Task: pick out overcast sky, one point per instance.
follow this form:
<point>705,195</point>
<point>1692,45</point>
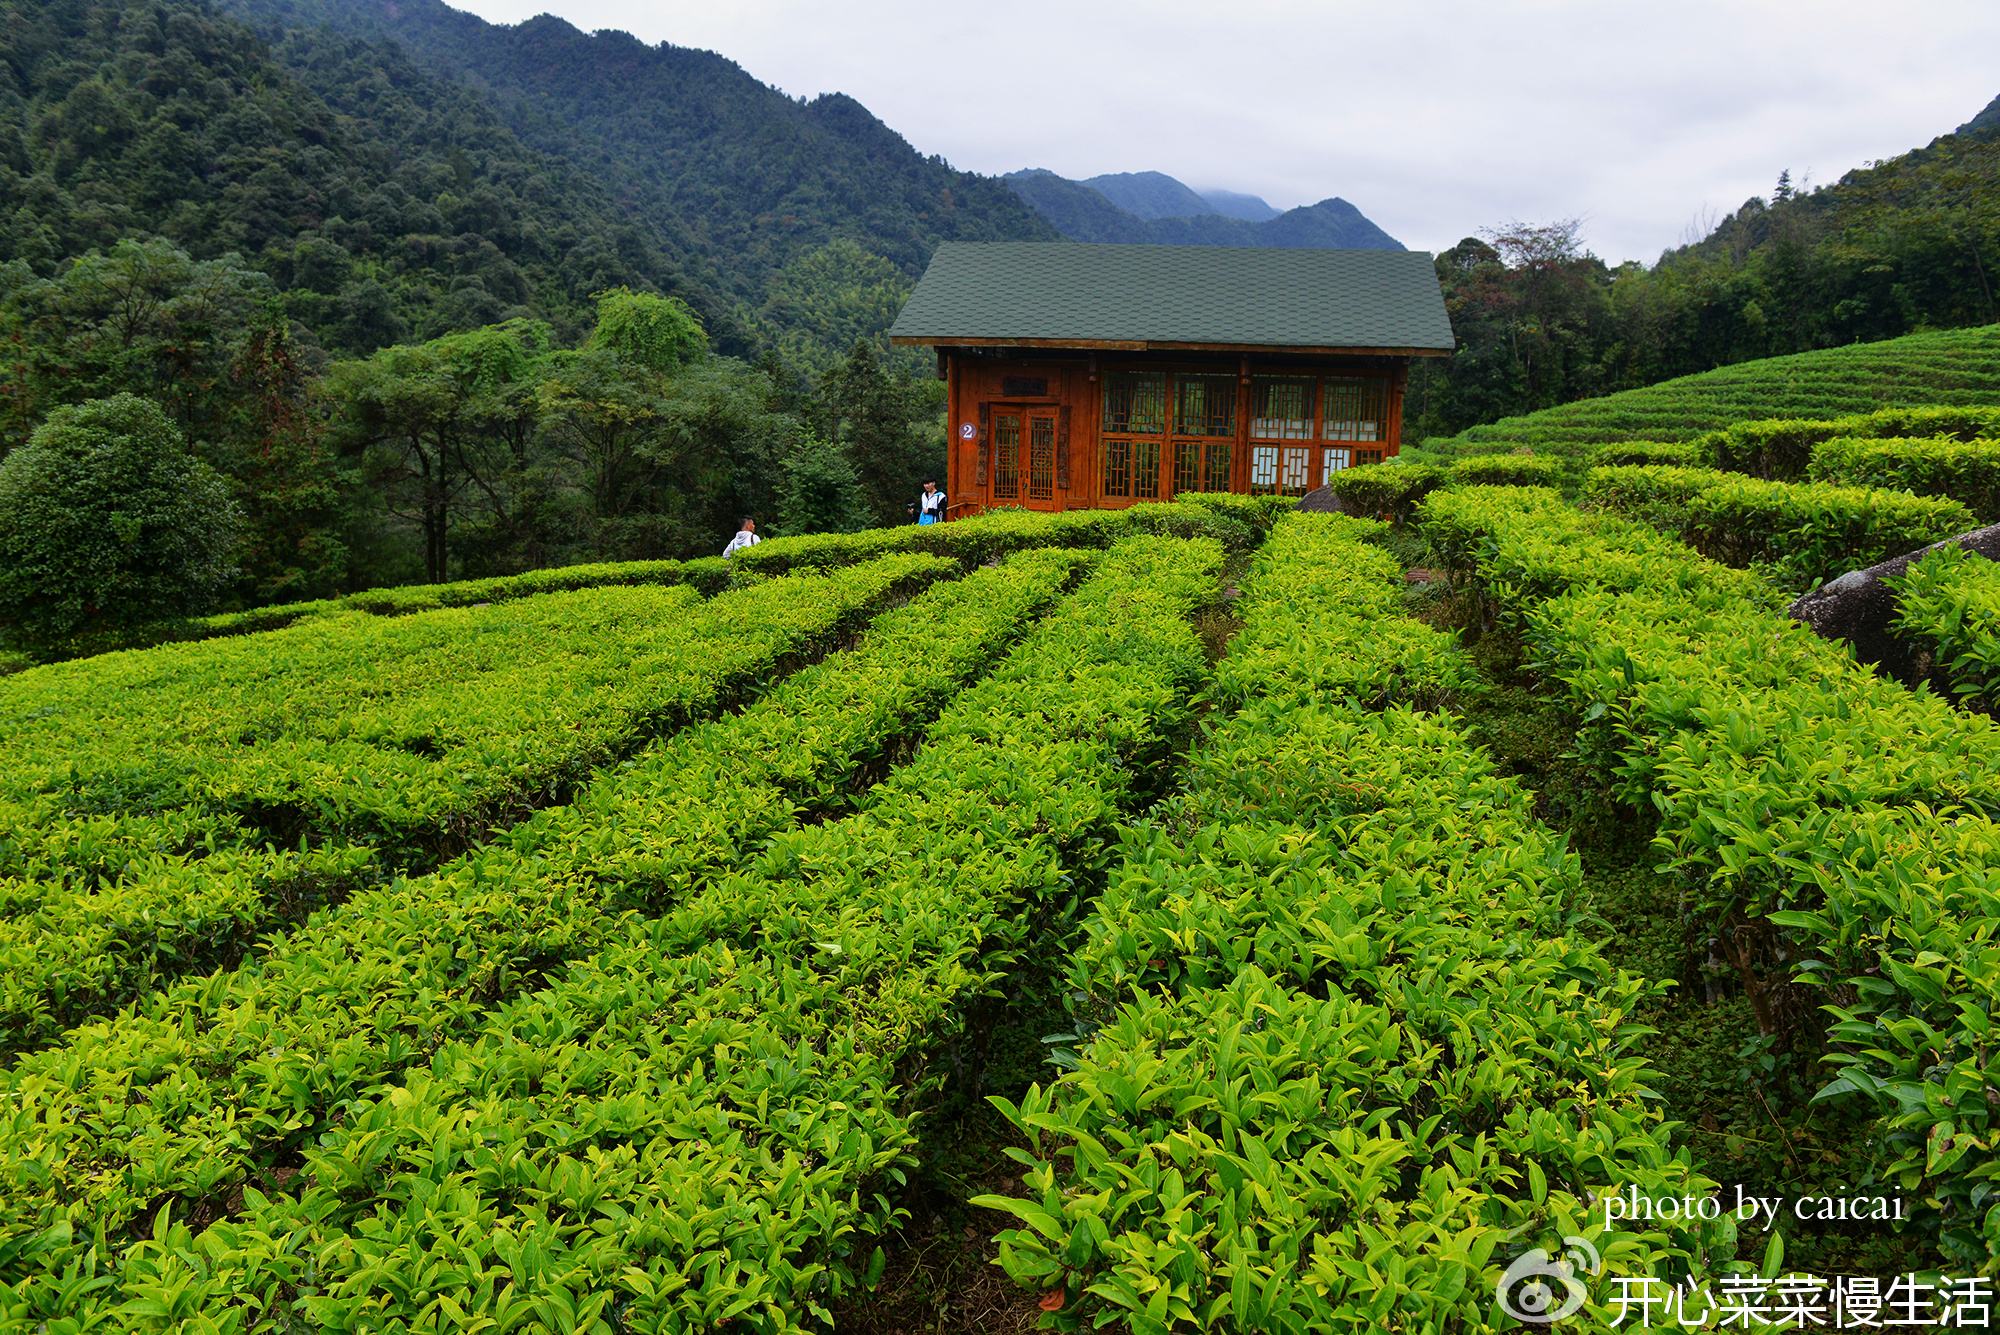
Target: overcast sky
<point>1434,119</point>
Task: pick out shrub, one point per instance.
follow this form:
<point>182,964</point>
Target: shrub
<point>1657,494</point>
<point>1391,489</point>
<point>107,523</point>
<point>1966,471</point>
<point>1680,453</point>
<point>1949,602</point>
<point>1508,470</point>
<point>1809,532</point>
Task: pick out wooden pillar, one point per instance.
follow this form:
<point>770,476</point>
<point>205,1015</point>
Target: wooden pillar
<point>1397,379</point>
<point>954,448</point>
<point>1239,453</point>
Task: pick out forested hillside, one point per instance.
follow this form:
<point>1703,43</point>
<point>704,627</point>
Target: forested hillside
<point>403,209</point>
<point>755,183</point>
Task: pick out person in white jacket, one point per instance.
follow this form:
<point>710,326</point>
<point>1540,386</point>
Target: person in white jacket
<point>746,536</point>
<point>930,505</point>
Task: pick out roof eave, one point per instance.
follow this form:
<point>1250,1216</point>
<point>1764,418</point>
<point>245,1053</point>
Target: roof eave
<point>1160,345</point>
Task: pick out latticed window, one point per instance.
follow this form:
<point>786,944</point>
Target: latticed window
<point>1368,456</point>
<point>1145,470</point>
<point>1135,404</point>
<point>1204,405</point>
<point>1118,468</point>
<point>1006,456</point>
<point>1332,459</point>
<point>1294,471</point>
<point>1263,468</point>
<point>1215,467</point>
<point>1281,408</point>
<point>1354,408</point>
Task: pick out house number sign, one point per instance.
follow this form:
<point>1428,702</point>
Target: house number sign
<point>968,431</point>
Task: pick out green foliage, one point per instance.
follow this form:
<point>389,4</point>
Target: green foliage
<point>1967,471</point>
<point>1949,603</point>
<point>1679,453</point>
<point>1803,533</point>
<point>1508,470</point>
<point>1957,368</point>
<point>1333,1021</point>
<point>107,523</point>
<point>838,957</point>
<point>824,303</point>
<point>818,491</point>
<point>890,427</point>
<point>397,738</point>
<point>1390,489</point>
<point>1657,494</point>
<point>1810,532</point>
<point>1899,246</point>
<point>385,201</point>
<point>647,332</point>
<point>1796,791</point>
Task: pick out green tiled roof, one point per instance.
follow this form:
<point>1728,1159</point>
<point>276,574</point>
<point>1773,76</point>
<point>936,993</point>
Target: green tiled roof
<point>1062,291</point>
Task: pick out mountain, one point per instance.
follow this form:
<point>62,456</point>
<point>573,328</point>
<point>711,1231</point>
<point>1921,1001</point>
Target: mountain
<point>749,179</point>
<point>1089,211</point>
<point>1250,208</point>
<point>1150,195</point>
<point>385,202</point>
<point>1986,125</point>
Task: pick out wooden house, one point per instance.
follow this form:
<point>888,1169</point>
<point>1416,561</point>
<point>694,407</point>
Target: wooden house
<point>1083,376</point>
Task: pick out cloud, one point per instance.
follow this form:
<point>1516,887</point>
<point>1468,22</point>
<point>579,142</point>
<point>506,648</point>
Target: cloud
<point>1434,118</point>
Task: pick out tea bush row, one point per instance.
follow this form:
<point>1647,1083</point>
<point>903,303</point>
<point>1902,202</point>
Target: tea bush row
<point>1949,603</point>
<point>707,1121</point>
<point>1803,533</point>
<point>1797,790</point>
<point>1966,471</point>
<point>1347,1058</point>
<point>75,946</point>
<point>265,1059</point>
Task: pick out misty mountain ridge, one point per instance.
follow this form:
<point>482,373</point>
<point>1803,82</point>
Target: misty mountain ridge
<point>1154,208</point>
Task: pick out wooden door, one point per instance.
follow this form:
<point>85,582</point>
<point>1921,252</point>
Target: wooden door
<point>1024,458</point>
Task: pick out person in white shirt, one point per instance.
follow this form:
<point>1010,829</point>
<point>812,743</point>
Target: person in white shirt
<point>930,503</point>
<point>746,536</point>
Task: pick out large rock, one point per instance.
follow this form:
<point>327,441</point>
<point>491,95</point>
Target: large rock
<point>1321,501</point>
<point>1859,606</point>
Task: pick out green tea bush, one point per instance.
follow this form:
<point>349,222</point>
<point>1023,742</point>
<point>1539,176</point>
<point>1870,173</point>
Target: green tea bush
<point>1657,494</point>
<point>1965,471</point>
<point>1342,1058</point>
<point>1956,370</point>
<point>1387,489</point>
<point>1509,470</point>
<point>1793,787</point>
<point>271,1053</point>
<point>1677,453</point>
<point>1948,603</point>
<point>77,944</point>
<point>733,1083</point>
<point>1811,532</point>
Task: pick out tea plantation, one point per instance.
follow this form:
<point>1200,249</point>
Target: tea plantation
<point>1207,915</point>
<point>1959,366</point>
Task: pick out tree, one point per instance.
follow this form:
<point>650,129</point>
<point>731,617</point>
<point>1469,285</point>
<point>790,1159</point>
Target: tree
<point>109,523</point>
<point>647,332</point>
<point>888,424</point>
<point>818,491</point>
<point>434,423</point>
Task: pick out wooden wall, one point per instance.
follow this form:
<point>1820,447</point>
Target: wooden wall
<point>983,382</point>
